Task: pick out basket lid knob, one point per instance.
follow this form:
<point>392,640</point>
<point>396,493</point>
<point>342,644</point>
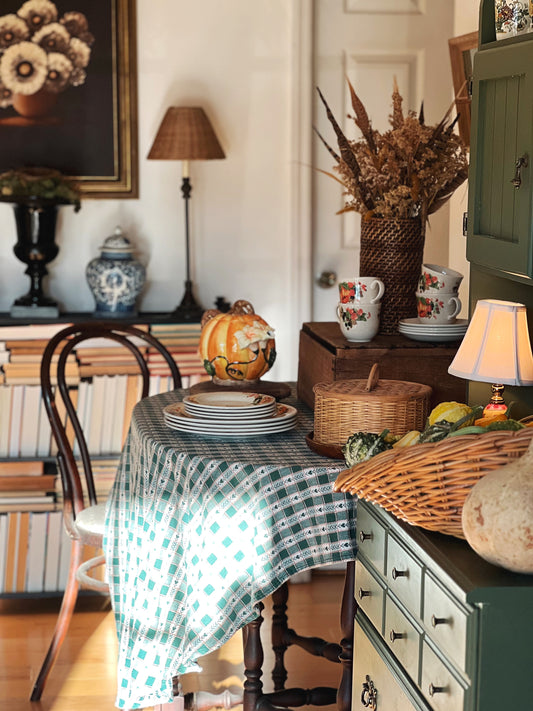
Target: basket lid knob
<point>373,378</point>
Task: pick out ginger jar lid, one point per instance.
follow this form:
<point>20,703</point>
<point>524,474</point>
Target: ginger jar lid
<point>117,246</point>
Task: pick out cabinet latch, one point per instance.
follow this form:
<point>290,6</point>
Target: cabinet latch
<point>520,163</point>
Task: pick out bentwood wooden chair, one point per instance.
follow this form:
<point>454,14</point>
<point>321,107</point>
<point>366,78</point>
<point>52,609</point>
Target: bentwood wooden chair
<point>83,517</point>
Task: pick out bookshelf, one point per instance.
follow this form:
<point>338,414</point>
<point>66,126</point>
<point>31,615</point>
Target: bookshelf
<point>34,549</point>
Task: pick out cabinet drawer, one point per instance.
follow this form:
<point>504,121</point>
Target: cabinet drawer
<point>445,621</point>
<point>370,595</point>
<point>371,538</point>
<point>372,676</point>
<point>439,686</point>
<point>404,576</point>
<point>402,638</point>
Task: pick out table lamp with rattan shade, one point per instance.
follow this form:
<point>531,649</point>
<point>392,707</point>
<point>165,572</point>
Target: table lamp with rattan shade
<point>186,134</point>
<point>496,349</point>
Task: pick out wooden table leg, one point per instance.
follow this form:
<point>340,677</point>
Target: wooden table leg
<point>279,635</point>
<point>348,609</point>
<point>253,661</point>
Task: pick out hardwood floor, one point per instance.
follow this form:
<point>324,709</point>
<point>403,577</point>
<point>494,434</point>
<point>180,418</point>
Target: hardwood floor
<point>83,679</point>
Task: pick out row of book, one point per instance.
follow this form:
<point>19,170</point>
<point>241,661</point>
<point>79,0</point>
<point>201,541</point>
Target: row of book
<point>104,382</point>
<point>104,405</point>
<point>34,547</point>
<point>20,357</point>
<point>104,386</point>
<point>35,552</point>
<point>28,486</point>
<point>33,485</point>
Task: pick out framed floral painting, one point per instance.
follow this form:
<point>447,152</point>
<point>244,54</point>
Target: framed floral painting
<point>68,97</point>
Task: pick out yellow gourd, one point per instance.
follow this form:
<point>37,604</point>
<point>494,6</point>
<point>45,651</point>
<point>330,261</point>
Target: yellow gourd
<point>408,439</point>
<point>450,411</point>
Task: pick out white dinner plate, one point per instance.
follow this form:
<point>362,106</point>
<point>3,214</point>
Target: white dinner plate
<point>179,411</point>
<point>176,417</point>
<point>233,399</point>
<point>239,432</point>
<point>434,337</point>
<point>414,323</point>
<point>232,413</point>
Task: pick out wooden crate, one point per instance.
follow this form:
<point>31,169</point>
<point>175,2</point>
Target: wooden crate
<point>325,356</point>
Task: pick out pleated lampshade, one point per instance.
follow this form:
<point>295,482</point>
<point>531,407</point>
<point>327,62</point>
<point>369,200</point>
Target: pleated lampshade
<point>496,346</point>
<point>185,133</point>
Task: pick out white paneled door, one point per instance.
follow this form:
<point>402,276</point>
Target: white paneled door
<point>371,42</point>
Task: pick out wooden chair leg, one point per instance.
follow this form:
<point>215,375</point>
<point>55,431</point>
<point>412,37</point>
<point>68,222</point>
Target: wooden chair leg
<point>63,621</point>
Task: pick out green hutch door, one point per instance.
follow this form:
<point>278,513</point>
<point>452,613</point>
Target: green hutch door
<point>502,110</point>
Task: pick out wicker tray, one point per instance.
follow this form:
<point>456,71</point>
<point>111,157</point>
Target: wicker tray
<point>427,484</point>
<point>372,405</point>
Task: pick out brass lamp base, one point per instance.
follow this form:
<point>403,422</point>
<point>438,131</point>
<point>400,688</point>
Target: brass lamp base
<point>496,403</point>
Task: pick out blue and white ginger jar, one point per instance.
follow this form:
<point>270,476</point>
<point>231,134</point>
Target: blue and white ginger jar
<point>116,278</point>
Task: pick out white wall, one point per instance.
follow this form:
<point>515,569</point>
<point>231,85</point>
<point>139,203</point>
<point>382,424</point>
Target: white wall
<point>234,59</point>
<point>466,20</point>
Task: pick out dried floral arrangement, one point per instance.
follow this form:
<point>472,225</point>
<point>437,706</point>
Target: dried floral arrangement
<point>408,171</point>
<point>41,51</point>
<point>30,185</point>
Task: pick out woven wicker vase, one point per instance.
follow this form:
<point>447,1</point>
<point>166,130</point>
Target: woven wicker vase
<point>392,250</point>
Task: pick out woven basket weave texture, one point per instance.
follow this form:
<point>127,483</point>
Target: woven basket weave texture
<point>346,406</point>
<point>392,250</point>
<point>427,484</point>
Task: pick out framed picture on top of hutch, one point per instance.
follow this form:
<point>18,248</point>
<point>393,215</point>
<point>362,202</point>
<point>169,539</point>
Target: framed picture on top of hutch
<point>68,93</point>
<point>462,50</point>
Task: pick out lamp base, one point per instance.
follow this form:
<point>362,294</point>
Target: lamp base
<point>189,309</point>
<point>496,404</point>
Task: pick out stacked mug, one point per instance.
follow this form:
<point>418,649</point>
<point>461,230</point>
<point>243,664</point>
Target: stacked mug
<point>437,297</point>
<point>359,307</point>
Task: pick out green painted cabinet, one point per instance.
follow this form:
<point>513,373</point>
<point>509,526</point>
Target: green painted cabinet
<point>500,227</point>
<point>438,628</point>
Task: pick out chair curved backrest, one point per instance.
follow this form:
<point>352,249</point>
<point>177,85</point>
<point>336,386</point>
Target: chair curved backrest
<point>54,361</point>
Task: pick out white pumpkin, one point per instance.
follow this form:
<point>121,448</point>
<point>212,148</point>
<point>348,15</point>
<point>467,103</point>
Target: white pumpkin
<point>498,515</point>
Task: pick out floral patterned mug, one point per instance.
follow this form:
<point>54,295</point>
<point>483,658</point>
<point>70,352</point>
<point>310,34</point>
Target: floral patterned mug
<point>358,322</point>
<point>435,278</point>
<point>438,308</point>
<point>367,289</point>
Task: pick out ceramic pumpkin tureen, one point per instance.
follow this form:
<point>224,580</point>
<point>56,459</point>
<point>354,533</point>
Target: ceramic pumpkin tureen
<point>236,346</point>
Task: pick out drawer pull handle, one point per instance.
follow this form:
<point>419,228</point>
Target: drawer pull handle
<point>365,536</point>
<point>396,635</point>
<point>369,694</point>
<point>363,593</point>
<point>399,573</point>
<point>439,621</point>
<point>437,689</point>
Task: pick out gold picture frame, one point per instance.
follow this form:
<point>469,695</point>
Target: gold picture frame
<point>89,132</point>
<point>462,50</point>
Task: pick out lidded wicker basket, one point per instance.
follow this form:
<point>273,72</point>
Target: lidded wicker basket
<point>348,406</point>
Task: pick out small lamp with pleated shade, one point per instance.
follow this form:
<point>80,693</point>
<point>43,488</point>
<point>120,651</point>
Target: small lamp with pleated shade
<point>186,134</point>
<point>496,349</point>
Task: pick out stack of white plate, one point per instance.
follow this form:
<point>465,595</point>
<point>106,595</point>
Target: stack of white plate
<point>433,332</point>
<point>229,414</point>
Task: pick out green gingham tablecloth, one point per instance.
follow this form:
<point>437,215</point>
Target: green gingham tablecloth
<point>200,529</point>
